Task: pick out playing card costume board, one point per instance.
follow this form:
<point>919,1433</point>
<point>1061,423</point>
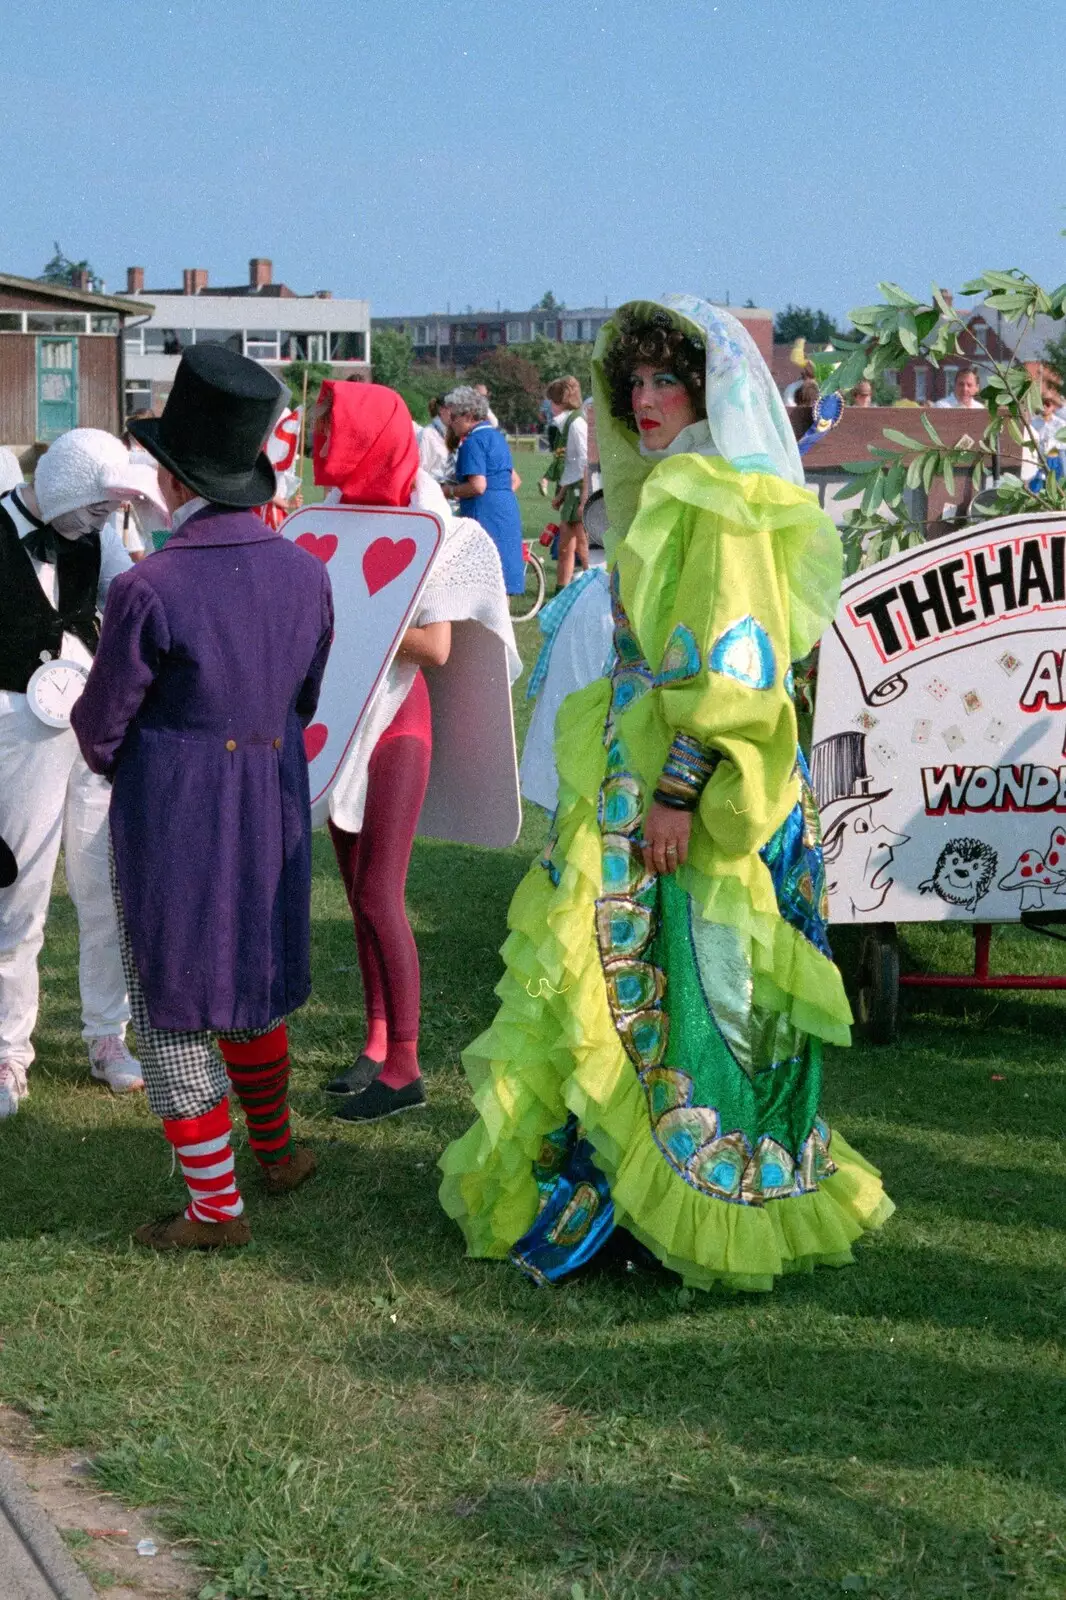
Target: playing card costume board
<point>939,754</point>
<point>380,561</point>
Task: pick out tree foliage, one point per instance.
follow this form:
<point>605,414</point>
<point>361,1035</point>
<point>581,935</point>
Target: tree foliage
<point>803,322</point>
<point>61,270</point>
<point>293,374</point>
<point>896,330</point>
<point>548,302</point>
<point>1055,358</point>
<point>390,357</point>
<point>555,360</point>
<point>514,386</point>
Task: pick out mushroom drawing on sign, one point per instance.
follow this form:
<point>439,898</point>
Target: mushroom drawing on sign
<point>1055,856</point>
<point>857,849</point>
<point>963,873</point>
<point>1032,875</point>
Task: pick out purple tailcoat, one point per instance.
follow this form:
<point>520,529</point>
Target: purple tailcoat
<point>208,669</point>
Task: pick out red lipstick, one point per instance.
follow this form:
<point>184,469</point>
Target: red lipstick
<point>646,424</point>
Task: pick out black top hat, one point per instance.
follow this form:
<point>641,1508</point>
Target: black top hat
<point>214,424</point>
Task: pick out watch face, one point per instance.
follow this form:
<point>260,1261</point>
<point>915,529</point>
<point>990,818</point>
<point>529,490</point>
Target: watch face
<point>53,690</point>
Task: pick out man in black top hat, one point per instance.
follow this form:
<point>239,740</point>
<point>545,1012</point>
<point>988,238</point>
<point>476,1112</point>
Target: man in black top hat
<point>208,669</point>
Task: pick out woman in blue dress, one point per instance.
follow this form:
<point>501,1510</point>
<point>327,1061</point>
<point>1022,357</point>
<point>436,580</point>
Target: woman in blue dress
<point>485,477</point>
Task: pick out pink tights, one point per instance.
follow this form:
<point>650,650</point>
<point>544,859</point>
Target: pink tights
<point>373,865</point>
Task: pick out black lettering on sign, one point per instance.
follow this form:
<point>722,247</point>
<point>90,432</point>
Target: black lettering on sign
<point>917,606</point>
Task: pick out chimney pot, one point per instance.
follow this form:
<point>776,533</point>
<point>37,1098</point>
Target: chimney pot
<point>134,280</point>
<point>260,272</point>
<point>81,279</point>
<point>194,280</point>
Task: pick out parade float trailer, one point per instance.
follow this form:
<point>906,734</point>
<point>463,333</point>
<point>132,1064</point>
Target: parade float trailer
<point>939,750</point>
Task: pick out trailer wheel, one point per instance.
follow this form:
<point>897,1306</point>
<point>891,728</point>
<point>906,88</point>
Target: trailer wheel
<point>877,1007</point>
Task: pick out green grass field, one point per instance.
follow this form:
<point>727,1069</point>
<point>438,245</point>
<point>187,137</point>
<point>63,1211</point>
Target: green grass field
<point>350,1408</point>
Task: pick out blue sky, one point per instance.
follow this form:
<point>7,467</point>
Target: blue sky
<point>421,155</point>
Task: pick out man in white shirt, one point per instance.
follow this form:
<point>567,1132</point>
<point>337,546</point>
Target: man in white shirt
<point>967,383</point>
<point>55,570</point>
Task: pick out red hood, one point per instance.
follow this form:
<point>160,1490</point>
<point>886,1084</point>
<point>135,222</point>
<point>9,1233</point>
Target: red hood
<point>371,456</point>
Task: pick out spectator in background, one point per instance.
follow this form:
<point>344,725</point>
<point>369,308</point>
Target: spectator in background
<point>490,416</point>
<point>1046,430</point>
<point>569,461</point>
<point>863,394</point>
<point>801,407</point>
<point>484,476</point>
<point>967,383</point>
<point>435,456</point>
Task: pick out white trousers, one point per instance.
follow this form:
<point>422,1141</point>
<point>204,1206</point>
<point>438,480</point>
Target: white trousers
<point>49,797</point>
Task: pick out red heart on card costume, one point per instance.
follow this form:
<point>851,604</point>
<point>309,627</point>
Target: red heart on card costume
<point>321,545</point>
<point>385,559</point>
<point>314,738</point>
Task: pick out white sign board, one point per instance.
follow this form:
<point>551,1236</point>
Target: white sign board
<point>378,561</point>
<point>472,796</point>
<point>939,757</point>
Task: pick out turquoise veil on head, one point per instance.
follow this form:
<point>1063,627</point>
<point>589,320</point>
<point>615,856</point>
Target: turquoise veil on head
<point>746,416</point>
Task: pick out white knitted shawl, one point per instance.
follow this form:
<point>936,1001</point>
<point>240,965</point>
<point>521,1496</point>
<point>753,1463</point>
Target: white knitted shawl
<point>465,586</point>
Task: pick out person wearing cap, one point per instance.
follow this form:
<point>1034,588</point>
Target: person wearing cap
<point>209,668</point>
<point>55,571</point>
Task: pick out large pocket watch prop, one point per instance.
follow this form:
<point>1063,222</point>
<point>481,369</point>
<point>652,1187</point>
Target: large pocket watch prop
<point>378,561</point>
<point>54,689</point>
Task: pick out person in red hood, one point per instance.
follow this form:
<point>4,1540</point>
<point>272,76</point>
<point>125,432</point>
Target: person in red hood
<point>365,451</point>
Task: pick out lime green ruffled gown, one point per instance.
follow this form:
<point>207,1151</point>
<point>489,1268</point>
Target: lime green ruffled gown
<point>656,1058</point>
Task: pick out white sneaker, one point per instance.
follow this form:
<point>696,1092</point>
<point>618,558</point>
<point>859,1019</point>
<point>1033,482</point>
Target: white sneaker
<point>12,1087</point>
<point>111,1063</point>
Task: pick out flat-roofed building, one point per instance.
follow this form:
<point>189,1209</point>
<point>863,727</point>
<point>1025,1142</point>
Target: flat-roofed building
<point>453,340</point>
<point>264,320</point>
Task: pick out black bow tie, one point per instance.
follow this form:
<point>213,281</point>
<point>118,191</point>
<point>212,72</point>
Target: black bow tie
<point>42,544</point>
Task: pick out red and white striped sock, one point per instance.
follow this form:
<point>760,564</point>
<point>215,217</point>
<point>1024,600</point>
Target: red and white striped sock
<point>206,1159</point>
<point>259,1071</point>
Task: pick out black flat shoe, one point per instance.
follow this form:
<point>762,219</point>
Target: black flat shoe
<point>354,1078</point>
<point>380,1101</point>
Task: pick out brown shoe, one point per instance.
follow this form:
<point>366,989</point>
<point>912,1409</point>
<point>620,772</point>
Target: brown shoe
<point>281,1177</point>
<point>179,1233</point>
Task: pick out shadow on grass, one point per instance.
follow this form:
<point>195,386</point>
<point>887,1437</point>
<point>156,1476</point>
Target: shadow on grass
<point>740,1537</point>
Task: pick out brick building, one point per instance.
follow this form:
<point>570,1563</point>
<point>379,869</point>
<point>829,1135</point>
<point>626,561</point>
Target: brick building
<point>985,336</point>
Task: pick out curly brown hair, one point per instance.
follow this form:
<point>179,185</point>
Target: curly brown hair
<point>654,339</point>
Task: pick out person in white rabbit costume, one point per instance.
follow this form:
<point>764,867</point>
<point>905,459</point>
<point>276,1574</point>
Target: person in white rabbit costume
<point>56,564</point>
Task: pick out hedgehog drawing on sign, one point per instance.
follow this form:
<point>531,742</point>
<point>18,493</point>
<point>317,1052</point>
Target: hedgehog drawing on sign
<point>963,873</point>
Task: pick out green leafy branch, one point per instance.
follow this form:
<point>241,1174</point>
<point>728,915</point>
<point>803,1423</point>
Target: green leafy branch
<point>899,329</point>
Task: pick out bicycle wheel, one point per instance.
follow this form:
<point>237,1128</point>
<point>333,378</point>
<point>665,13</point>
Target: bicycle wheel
<point>526,605</point>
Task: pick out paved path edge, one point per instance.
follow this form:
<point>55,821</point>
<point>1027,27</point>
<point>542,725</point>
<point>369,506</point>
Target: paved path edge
<point>22,1519</point>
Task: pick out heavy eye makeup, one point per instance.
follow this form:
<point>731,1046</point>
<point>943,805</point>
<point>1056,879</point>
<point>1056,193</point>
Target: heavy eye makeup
<point>661,380</point>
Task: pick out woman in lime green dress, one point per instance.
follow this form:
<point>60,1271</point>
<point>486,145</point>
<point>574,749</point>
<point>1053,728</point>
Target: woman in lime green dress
<point>656,1059</point>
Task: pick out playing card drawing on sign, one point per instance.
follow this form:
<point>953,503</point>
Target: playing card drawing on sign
<point>954,806</point>
<point>378,561</point>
